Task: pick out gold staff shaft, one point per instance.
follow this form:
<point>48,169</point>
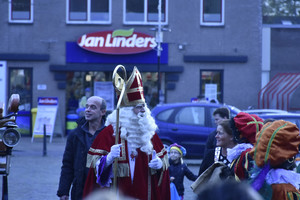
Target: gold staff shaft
<point>120,85</point>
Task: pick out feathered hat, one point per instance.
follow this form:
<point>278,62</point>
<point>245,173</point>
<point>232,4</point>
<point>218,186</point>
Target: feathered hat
<point>245,126</point>
<point>277,142</point>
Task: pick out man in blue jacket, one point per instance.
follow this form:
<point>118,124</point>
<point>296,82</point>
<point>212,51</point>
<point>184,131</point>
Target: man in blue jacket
<point>73,170</point>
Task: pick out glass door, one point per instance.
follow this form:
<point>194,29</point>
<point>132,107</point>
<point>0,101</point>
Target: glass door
<point>20,82</point>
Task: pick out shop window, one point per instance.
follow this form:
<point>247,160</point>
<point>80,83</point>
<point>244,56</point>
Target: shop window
<point>211,85</point>
<point>212,12</point>
<point>20,11</point>
<point>145,12</point>
<point>20,82</point>
<point>82,84</point>
<point>89,11</point>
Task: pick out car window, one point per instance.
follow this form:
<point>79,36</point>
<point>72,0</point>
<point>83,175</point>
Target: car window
<point>191,116</point>
<point>211,111</point>
<point>165,115</point>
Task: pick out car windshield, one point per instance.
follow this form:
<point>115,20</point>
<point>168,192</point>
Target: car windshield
<point>164,115</point>
<point>234,111</point>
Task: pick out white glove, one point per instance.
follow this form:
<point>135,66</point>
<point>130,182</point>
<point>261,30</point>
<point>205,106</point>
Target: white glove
<point>115,151</point>
<point>156,162</point>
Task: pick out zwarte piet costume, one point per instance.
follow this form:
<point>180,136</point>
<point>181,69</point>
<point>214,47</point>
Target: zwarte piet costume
<point>273,177</point>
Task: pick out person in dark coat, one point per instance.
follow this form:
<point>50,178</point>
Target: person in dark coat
<point>178,170</point>
<point>73,170</point>
<point>209,153</point>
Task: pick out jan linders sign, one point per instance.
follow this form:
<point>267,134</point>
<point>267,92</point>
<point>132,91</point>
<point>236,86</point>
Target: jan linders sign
<point>117,42</point>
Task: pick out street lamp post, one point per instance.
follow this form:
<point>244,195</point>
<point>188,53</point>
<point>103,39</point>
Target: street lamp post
<point>159,40</point>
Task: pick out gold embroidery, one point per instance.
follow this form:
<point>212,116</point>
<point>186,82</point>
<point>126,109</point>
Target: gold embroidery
<point>165,161</point>
<point>161,153</point>
<point>123,170</point>
<point>98,151</point>
<point>123,151</point>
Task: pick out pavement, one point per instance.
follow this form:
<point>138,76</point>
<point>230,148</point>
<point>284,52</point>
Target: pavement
<point>35,176</point>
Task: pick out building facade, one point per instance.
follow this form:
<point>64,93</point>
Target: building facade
<point>210,49</point>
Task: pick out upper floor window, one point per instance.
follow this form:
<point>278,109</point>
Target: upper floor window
<point>88,11</point>
<point>20,11</point>
<point>144,12</point>
<point>212,12</point>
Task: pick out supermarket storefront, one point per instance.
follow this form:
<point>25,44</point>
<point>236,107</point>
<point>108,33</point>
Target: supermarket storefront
<point>94,56</point>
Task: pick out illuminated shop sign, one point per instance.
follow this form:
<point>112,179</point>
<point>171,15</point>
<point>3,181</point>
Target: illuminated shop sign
<point>117,42</point>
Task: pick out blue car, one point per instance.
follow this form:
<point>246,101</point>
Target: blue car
<point>291,117</point>
<point>187,124</point>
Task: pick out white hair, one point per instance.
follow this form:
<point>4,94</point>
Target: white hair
<point>136,129</point>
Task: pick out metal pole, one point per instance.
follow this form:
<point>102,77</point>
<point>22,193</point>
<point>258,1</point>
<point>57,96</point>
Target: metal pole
<point>45,142</point>
<point>158,52</point>
<point>5,188</point>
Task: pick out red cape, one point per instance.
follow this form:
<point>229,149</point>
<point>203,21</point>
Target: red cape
<point>156,188</point>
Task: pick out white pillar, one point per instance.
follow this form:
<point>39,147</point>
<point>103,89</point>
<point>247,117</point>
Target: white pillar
<point>266,56</point>
<point>3,85</point>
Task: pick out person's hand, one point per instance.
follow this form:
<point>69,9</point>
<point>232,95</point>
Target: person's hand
<point>65,197</point>
<point>172,178</point>
<point>156,162</point>
<point>115,151</point>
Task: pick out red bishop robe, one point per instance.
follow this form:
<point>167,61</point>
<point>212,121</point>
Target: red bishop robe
<point>148,184</point>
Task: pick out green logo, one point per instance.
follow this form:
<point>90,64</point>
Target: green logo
<point>122,32</point>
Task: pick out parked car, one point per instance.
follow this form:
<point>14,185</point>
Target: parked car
<point>264,111</point>
<point>291,117</point>
<point>187,124</point>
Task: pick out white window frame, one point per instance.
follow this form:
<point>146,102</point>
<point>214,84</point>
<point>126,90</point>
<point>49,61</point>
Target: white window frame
<point>88,21</point>
<point>145,22</point>
<point>11,20</point>
<point>216,23</point>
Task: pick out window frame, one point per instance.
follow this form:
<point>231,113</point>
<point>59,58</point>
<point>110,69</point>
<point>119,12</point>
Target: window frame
<point>146,21</point>
<point>88,20</point>
<point>216,23</point>
<point>27,21</point>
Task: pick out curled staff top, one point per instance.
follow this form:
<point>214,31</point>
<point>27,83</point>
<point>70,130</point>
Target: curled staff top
<point>119,83</point>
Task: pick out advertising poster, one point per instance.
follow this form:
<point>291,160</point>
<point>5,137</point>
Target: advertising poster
<point>46,115</point>
<point>106,91</point>
<point>211,92</point>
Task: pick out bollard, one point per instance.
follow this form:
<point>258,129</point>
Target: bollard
<point>45,142</point>
<point>5,188</point>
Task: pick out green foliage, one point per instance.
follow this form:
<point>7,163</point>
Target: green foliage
<point>289,8</point>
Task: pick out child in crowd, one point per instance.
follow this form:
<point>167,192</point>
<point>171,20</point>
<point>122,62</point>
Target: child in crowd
<point>178,169</point>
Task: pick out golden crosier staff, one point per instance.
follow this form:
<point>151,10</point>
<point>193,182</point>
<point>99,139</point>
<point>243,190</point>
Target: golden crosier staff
<point>120,85</point>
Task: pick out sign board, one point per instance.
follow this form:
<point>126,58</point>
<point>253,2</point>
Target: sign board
<point>106,91</point>
<point>46,115</point>
<point>211,92</point>
<point>117,42</point>
<point>3,81</point>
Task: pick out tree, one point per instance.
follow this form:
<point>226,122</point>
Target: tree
<point>290,8</point>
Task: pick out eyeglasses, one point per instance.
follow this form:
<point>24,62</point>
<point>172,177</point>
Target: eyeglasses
<point>174,152</point>
<point>220,133</point>
<point>139,107</point>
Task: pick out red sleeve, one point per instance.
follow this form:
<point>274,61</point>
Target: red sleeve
<point>164,177</point>
<point>101,146</point>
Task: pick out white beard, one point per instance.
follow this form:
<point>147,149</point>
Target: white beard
<point>136,129</point>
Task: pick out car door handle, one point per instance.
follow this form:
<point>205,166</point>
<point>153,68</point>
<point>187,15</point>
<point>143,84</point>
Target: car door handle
<point>174,129</point>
